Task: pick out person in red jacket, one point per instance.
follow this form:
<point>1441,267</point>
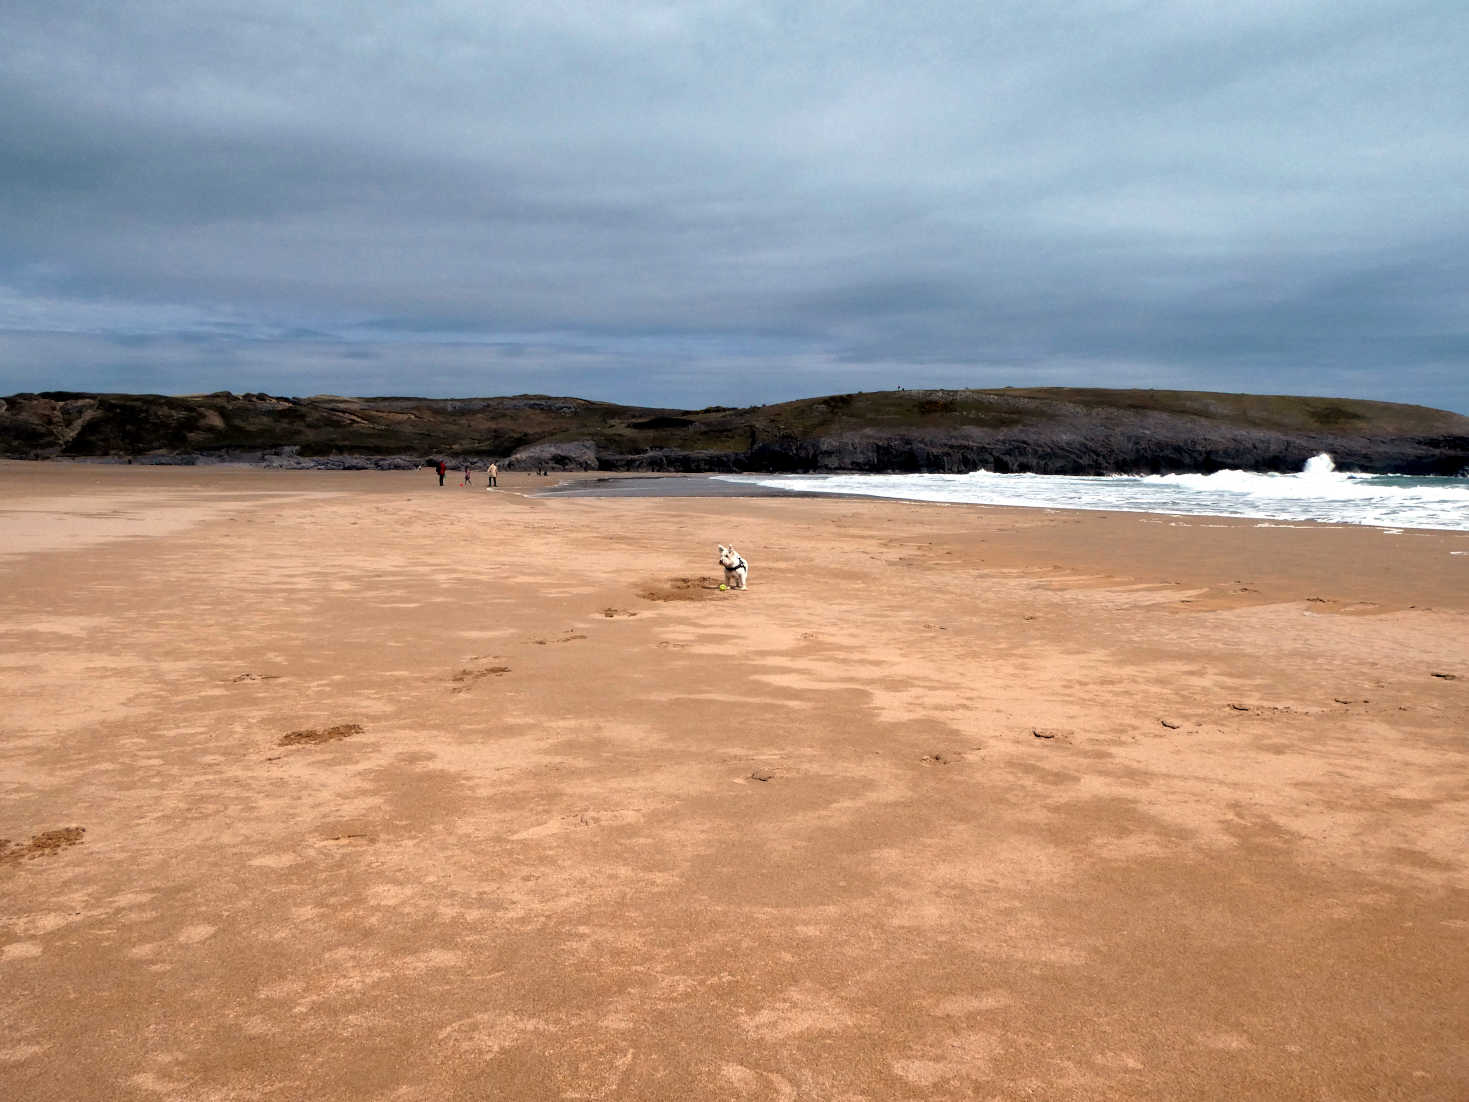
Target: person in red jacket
<point>441,469</point>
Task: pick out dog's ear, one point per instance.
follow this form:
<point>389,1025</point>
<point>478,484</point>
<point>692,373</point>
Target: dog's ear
<point>722,548</point>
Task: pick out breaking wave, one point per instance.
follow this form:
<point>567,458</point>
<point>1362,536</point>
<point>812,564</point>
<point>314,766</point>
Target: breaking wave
<point>1318,493</point>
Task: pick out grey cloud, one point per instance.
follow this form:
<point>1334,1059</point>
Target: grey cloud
<point>644,200</point>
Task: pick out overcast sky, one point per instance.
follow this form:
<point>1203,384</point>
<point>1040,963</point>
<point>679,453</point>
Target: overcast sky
<point>709,202</point>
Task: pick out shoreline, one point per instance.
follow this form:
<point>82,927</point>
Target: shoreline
<point>673,484</point>
<point>711,486</point>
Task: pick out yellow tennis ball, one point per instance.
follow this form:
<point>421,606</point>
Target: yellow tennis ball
<point>723,588</point>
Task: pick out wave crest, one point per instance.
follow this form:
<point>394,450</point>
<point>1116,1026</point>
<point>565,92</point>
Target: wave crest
<point>1318,492</point>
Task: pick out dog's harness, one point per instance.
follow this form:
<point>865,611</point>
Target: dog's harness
<point>739,564</point>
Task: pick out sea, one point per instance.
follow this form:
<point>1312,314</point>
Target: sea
<point>1319,493</point>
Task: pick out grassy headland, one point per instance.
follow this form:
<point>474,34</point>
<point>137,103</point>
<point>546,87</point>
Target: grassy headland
<point>1049,430</point>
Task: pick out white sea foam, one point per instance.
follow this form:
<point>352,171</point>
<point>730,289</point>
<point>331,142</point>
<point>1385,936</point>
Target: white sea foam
<point>1318,493</point>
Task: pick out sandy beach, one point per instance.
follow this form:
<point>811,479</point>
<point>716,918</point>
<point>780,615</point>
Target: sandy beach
<point>342,785</point>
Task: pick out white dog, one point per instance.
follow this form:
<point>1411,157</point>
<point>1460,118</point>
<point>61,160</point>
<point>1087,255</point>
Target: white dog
<point>736,569</point>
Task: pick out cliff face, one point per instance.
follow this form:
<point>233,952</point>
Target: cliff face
<point>1045,431</point>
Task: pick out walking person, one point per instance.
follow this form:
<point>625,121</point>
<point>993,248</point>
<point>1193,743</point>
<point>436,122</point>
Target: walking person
<point>441,468</point>
<point>468,481</point>
<point>494,474</point>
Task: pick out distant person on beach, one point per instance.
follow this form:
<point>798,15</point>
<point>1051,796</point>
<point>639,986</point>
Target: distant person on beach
<point>494,474</point>
<point>467,479</point>
<point>441,468</point>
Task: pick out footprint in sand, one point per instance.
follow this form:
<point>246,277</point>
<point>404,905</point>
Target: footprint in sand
<point>347,840</point>
<point>941,758</point>
<point>466,677</point>
<point>684,589</point>
<point>313,735</point>
<point>1262,710</point>
<point>41,845</point>
<point>567,636</point>
<point>613,613</point>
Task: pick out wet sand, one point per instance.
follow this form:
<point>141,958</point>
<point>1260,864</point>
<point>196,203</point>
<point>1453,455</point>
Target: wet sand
<point>659,485</point>
<point>342,785</point>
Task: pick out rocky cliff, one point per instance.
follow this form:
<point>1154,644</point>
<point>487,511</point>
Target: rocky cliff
<point>1047,431</point>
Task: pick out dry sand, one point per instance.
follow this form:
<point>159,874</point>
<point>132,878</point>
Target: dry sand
<point>333,785</point>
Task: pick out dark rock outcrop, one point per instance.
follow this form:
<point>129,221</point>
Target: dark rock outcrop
<point>558,455</point>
